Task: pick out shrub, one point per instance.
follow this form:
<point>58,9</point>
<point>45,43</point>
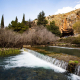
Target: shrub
<point>54,29</point>
<point>40,35</point>
<point>76,40</point>
<point>76,27</point>
<point>67,40</point>
<point>76,62</point>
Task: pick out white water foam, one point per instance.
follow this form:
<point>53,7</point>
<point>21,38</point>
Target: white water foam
<point>64,47</point>
<point>74,77</point>
<point>26,59</point>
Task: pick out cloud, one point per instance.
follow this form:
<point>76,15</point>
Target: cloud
<point>67,9</point>
<point>78,2</point>
<point>77,6</point>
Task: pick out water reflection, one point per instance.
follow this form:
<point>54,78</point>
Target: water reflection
<point>71,51</point>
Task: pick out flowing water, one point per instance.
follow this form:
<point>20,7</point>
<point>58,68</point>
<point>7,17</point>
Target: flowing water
<point>65,50</point>
<point>32,66</point>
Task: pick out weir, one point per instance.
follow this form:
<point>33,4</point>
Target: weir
<point>59,63</point>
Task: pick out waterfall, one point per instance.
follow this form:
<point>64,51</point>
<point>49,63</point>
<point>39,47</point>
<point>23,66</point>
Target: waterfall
<point>59,63</point>
<point>77,70</point>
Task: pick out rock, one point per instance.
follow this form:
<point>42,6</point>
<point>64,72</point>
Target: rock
<point>71,66</point>
<point>25,46</point>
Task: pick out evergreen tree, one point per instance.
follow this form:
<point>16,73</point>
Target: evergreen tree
<point>2,22</point>
<point>16,19</point>
<point>29,23</point>
<point>0,25</point>
<point>41,19</point>
<point>23,20</point>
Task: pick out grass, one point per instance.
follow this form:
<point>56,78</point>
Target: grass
<point>8,52</point>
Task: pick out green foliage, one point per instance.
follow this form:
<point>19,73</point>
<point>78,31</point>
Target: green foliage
<point>67,40</point>
<point>76,62</point>
<point>29,23</point>
<point>9,52</point>
<point>0,25</point>
<point>16,19</point>
<point>73,62</point>
<point>17,26</point>
<point>76,27</point>
<point>53,28</point>
<point>76,40</point>
<point>2,22</point>
<point>41,19</point>
<point>23,20</point>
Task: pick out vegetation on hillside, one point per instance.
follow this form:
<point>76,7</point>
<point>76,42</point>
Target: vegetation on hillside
<point>76,27</point>
<point>42,33</point>
<point>54,29</point>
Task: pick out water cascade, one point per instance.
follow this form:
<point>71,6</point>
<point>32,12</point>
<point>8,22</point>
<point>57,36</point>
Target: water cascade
<point>59,63</point>
<point>29,59</point>
<point>54,61</point>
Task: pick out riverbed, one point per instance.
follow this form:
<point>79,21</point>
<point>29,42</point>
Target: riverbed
<point>26,66</point>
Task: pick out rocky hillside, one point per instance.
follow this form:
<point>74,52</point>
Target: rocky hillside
<point>64,21</point>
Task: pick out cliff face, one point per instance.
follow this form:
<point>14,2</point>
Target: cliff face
<point>64,21</point>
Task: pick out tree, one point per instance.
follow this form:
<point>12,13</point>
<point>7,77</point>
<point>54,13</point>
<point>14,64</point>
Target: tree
<point>29,23</point>
<point>18,27</point>
<point>0,25</point>
<point>16,19</point>
<point>41,19</point>
<point>54,29</point>
<point>23,20</point>
<point>2,22</point>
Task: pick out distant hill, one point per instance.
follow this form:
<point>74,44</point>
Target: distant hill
<point>64,21</point>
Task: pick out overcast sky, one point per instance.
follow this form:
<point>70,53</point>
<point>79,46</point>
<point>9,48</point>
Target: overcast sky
<point>31,8</point>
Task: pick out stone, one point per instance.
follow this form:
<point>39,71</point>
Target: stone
<point>25,46</point>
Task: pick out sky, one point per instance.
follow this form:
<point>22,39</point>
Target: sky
<point>31,8</point>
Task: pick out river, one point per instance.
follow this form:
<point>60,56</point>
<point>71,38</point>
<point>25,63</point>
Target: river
<point>27,66</point>
<point>65,50</point>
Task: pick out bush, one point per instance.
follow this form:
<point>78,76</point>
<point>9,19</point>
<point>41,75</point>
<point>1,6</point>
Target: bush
<point>76,40</point>
<point>67,40</point>
<point>76,27</point>
<point>54,29</point>
<point>40,35</point>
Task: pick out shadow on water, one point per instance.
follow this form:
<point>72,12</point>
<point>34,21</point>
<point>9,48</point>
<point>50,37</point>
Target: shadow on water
<point>27,66</point>
<point>71,51</point>
<point>31,74</point>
